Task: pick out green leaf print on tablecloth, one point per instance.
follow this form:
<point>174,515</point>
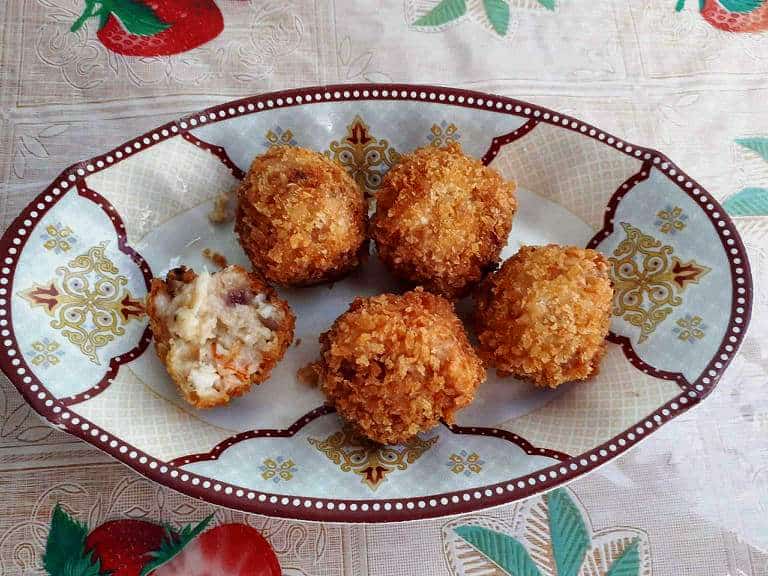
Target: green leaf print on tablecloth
<point>570,539</point>
<point>759,145</point>
<point>65,553</point>
<point>740,5</point>
<point>497,13</point>
<point>506,552</point>
<point>556,538</point>
<point>628,564</point>
<point>444,12</point>
<point>748,202</point>
<point>751,201</point>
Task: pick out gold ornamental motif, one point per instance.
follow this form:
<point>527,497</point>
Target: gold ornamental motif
<point>45,353</point>
<point>365,158</point>
<point>58,238</point>
<point>279,137</point>
<point>443,134</point>
<point>372,462</point>
<point>278,469</point>
<point>671,219</point>
<point>690,328</point>
<point>649,280</point>
<point>465,463</point>
<point>88,301</point>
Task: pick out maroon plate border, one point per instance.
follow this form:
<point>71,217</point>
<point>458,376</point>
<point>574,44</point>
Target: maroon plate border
<point>216,452</point>
<point>57,412</point>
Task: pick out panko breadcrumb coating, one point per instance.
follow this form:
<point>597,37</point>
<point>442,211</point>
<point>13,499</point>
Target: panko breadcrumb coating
<point>217,334</point>
<point>395,365</point>
<point>442,219</point>
<point>301,219</point>
<point>545,314</point>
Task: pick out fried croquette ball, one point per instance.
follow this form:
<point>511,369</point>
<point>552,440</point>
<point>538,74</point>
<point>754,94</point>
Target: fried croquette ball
<point>301,219</point>
<point>395,365</point>
<point>545,314</point>
<point>217,334</point>
<point>442,219</point>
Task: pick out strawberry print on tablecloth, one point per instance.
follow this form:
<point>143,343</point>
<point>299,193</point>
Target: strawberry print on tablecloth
<point>153,27</point>
<point>129,547</point>
<point>733,15</point>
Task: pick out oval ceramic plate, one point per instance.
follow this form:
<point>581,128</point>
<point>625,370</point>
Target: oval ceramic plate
<point>78,261</point>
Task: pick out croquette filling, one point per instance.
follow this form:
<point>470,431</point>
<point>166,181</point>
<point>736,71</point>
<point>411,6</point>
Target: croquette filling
<point>219,329</point>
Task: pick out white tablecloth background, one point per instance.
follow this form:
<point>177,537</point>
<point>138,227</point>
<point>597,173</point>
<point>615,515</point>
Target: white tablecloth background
<point>698,488</point>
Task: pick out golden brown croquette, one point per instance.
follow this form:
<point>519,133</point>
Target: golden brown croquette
<point>395,365</point>
<point>442,219</point>
<point>217,334</point>
<point>301,219</point>
<point>545,314</point>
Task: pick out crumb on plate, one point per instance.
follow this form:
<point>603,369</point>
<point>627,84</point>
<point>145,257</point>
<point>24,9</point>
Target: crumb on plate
<point>223,208</point>
<point>218,259</point>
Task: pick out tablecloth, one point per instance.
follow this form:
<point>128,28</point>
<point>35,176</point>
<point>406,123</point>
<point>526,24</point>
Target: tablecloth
<point>689,79</point>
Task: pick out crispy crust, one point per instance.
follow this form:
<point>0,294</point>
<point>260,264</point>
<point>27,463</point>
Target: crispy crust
<point>396,365</point>
<point>442,219</point>
<point>545,314</point>
<point>301,219</point>
<point>169,287</point>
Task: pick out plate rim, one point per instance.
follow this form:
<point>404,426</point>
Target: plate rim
<point>445,504</point>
